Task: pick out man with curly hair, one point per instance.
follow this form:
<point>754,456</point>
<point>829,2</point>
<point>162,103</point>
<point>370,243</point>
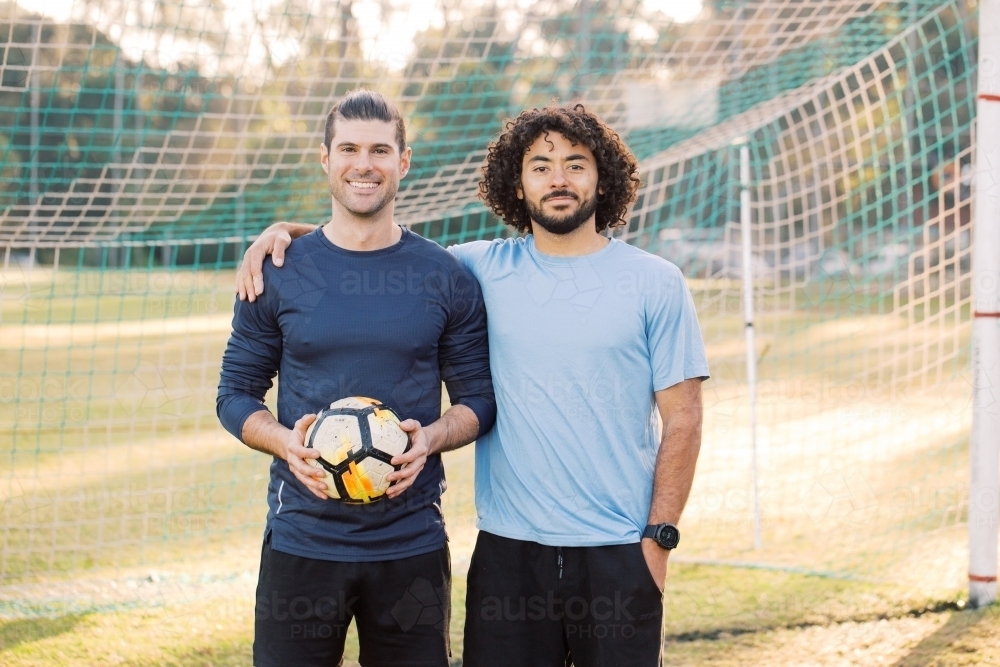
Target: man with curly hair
<point>578,492</point>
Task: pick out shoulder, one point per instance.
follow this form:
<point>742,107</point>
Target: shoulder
<point>432,253</point>
<point>477,254</point>
<point>298,256</point>
<point>645,274</point>
<point>640,260</point>
<point>303,247</point>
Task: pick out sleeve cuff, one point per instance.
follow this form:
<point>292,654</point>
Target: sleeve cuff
<point>691,374</point>
<point>484,409</point>
<point>236,416</point>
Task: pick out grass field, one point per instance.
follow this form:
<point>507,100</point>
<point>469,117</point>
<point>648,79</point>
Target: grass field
<point>714,615</point>
<point>130,522</point>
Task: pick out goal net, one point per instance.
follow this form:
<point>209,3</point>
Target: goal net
<point>143,144</point>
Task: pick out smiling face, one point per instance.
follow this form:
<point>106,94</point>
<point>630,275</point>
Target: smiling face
<point>559,183</point>
<point>364,166</point>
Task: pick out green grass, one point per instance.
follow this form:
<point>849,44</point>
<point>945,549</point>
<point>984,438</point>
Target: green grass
<point>112,462</point>
<point>708,611</point>
<point>98,436</point>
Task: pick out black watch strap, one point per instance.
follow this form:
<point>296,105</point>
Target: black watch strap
<point>664,534</point>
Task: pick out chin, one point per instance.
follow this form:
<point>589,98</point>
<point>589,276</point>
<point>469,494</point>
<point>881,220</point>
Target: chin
<point>365,211</point>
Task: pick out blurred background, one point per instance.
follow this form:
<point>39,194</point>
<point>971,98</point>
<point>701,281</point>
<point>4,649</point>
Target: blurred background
<point>144,144</point>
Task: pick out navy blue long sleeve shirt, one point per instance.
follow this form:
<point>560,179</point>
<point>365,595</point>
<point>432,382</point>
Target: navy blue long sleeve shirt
<point>389,324</point>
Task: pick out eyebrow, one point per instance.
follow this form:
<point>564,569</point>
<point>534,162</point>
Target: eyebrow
<point>545,158</point>
<point>341,144</point>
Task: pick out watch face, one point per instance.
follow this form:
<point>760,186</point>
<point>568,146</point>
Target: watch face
<point>668,536</point>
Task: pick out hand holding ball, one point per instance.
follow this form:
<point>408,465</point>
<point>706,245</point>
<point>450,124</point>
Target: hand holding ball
<point>356,438</point>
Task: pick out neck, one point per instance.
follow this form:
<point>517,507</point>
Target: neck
<point>582,241</point>
<point>352,232</point>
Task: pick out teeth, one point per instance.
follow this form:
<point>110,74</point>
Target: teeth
<point>364,184</point>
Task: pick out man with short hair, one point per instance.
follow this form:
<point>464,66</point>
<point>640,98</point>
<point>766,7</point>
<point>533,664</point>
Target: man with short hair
<point>366,308</point>
<point>577,494</point>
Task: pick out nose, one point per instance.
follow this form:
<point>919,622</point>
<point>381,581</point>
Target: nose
<point>364,162</point>
<point>559,179</point>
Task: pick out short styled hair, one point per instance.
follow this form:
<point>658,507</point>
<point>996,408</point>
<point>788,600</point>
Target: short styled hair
<point>364,104</point>
<point>617,168</point>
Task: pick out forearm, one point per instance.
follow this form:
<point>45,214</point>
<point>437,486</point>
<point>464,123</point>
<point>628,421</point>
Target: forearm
<point>457,427</point>
<point>675,466</point>
<point>680,408</point>
<point>261,431</point>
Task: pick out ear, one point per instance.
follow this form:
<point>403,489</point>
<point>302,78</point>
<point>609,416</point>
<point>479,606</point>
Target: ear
<point>324,158</point>
<point>404,162</point>
<point>518,191</point>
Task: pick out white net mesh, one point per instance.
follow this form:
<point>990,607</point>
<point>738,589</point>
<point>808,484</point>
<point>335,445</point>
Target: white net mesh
<point>149,139</point>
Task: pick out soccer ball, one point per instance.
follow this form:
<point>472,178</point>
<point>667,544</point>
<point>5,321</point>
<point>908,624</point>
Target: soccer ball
<point>356,438</point>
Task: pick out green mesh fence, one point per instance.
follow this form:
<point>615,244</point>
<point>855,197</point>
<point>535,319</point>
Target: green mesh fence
<point>143,144</point>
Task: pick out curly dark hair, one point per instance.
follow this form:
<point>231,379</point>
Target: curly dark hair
<point>617,168</point>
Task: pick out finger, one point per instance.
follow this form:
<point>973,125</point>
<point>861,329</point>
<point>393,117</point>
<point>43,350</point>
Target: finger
<point>405,473</point>
<point>409,425</point>
<point>399,487</point>
<point>299,456</point>
<point>246,289</point>
<point>240,290</point>
<point>308,475</point>
<point>408,457</point>
<point>278,252</point>
<point>302,424</point>
<point>314,485</point>
<point>315,488</point>
<point>244,279</point>
<point>403,479</point>
<point>255,263</point>
<point>303,452</point>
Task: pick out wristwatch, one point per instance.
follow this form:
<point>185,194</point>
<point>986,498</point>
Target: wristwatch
<point>664,534</point>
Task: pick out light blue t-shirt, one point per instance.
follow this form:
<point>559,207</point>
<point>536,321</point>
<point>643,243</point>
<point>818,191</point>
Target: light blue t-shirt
<point>578,345</point>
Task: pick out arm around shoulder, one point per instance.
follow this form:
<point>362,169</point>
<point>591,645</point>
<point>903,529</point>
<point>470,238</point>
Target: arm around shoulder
<point>273,241</point>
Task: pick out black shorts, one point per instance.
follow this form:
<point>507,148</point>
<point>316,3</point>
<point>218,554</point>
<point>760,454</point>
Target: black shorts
<point>304,606</point>
<point>532,605</point>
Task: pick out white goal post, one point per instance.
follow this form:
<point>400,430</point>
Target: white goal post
<point>984,487</point>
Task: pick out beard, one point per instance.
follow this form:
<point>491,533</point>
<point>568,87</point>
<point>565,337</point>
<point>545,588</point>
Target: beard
<point>339,191</point>
<point>561,224</point>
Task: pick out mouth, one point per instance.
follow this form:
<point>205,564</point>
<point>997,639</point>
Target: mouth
<point>560,198</point>
<point>363,185</point>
